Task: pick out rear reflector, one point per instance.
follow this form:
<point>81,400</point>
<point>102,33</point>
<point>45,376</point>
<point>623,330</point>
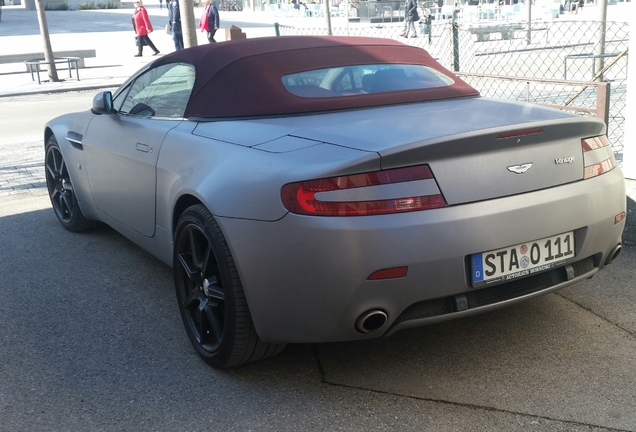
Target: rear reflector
<point>301,198</point>
<point>390,273</point>
<point>598,156</point>
<point>619,218</point>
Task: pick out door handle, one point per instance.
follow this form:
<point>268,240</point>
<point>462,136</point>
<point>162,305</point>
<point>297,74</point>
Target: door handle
<point>143,147</point>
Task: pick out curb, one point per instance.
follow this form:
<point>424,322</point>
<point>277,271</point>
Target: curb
<point>60,90</point>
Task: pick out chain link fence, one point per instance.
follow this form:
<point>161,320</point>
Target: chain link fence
<point>567,52</point>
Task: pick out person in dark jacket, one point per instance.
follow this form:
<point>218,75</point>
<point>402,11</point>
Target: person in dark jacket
<point>143,27</point>
<point>213,21</point>
<point>174,18</point>
<point>411,16</point>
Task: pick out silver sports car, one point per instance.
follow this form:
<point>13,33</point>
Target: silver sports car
<point>317,189</point>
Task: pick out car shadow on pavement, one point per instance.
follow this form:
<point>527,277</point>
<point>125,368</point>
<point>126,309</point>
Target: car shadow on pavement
<point>630,224</point>
<point>90,326</point>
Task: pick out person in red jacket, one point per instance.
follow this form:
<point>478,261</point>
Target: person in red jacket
<point>142,26</point>
<point>209,21</point>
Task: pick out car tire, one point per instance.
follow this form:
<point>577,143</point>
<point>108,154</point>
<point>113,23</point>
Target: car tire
<point>210,295</point>
<point>61,191</point>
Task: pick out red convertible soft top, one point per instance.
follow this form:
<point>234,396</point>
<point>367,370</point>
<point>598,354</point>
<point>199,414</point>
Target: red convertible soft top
<point>244,77</point>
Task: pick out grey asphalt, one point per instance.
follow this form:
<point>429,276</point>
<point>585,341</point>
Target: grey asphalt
<point>91,340</point>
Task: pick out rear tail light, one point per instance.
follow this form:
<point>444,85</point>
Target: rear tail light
<point>380,192</point>
<point>598,156</point>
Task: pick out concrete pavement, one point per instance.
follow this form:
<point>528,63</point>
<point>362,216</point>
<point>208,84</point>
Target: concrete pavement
<point>107,31</point>
<point>91,339</point>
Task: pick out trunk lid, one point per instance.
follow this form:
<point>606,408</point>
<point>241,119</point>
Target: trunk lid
<point>469,143</point>
<point>477,149</point>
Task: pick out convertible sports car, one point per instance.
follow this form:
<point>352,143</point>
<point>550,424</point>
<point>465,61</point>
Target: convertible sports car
<point>315,189</point>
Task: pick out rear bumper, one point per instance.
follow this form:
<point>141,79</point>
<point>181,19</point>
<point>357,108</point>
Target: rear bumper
<point>306,277</point>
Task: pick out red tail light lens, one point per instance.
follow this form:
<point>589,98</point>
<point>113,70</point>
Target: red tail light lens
<point>390,273</point>
<point>598,156</point>
<point>301,197</point>
<point>591,144</point>
<point>599,168</point>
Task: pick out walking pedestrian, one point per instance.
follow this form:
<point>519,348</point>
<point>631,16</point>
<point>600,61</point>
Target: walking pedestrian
<point>427,24</point>
<point>411,16</point>
<point>143,27</point>
<point>406,22</point>
<point>174,18</point>
<point>203,21</point>
<point>209,21</point>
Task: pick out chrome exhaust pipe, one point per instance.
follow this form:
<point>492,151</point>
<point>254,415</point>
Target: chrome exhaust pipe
<point>613,254</point>
<point>371,321</point>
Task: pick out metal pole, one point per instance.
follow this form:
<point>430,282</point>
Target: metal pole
<point>455,38</point>
<point>529,18</point>
<point>599,49</point>
<point>277,29</point>
<point>328,16</point>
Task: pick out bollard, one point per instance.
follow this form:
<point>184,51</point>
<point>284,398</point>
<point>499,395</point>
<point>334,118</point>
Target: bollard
<point>234,33</point>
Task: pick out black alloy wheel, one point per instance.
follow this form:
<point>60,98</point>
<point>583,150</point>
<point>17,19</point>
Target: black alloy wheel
<point>210,295</point>
<point>61,192</point>
<point>203,298</point>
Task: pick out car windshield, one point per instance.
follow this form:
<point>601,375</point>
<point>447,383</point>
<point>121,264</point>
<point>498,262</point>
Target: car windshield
<point>363,79</point>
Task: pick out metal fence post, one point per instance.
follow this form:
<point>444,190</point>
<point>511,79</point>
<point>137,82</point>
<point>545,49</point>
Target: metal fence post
<point>455,38</point>
<point>603,101</point>
<point>277,29</point>
<point>599,49</point>
<point>328,17</point>
<point>529,18</point>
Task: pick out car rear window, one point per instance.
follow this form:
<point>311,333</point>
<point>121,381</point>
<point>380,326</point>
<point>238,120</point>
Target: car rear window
<point>363,79</point>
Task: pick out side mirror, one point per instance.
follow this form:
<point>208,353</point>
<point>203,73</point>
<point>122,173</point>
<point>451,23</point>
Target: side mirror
<point>103,103</point>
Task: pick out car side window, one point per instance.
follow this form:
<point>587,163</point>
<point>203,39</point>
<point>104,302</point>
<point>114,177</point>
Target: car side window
<point>159,92</point>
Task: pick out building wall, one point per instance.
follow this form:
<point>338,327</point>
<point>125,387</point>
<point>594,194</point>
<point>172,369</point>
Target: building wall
<point>70,4</point>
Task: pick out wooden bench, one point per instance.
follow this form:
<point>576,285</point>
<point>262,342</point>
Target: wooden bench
<point>24,57</point>
<point>483,32</point>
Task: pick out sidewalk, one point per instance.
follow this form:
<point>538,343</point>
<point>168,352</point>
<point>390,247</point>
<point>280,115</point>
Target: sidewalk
<point>107,31</point>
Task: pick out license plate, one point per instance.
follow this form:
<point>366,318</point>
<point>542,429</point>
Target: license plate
<point>522,260</point>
